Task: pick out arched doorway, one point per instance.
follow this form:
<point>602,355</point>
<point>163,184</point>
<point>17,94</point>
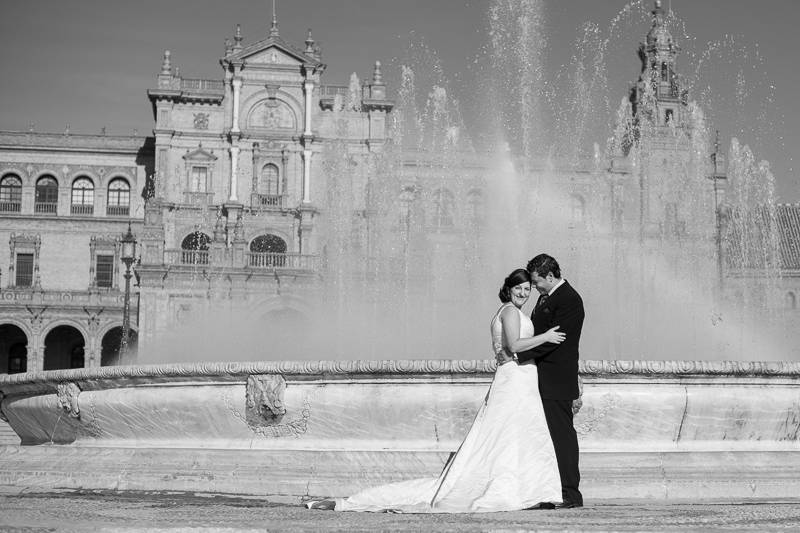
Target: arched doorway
<point>13,349</point>
<point>268,251</point>
<point>64,348</point>
<point>109,351</point>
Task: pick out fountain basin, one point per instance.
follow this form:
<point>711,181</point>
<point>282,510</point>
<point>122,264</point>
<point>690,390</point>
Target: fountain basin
<point>648,429</point>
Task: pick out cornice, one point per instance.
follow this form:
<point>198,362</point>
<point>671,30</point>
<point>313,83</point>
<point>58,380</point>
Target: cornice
<point>72,142</point>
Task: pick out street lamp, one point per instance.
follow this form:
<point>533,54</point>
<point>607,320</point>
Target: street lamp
<point>128,257</point>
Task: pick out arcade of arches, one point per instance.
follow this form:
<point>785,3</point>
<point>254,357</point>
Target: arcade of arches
<point>63,347</point>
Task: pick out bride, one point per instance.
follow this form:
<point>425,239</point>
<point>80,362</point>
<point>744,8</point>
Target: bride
<point>506,462</point>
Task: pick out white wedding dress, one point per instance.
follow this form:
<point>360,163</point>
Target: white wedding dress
<point>506,462</point>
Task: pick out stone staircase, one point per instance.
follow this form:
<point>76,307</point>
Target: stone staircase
<point>7,435</point>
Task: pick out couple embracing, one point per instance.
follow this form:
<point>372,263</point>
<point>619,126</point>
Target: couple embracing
<point>521,452</point>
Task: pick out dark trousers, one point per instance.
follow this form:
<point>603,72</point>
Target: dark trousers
<point>559,421</point>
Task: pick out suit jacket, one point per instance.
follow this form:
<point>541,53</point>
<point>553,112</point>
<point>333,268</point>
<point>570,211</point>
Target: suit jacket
<point>557,363</point>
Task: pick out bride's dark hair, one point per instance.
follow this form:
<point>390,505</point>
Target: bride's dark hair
<point>517,277</point>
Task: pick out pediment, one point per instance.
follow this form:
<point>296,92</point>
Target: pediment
<point>273,56</point>
<point>199,155</point>
<point>273,51</point>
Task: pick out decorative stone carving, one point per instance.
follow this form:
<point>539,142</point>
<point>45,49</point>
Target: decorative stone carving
<point>786,369</point>
<point>201,121</point>
<point>265,399</point>
<point>68,398</point>
<point>592,415</point>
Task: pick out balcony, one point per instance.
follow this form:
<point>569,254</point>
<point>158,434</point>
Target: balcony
<point>10,207</point>
<point>81,209</point>
<point>266,201</point>
<point>186,257</point>
<point>118,210</point>
<point>269,260</point>
<point>252,260</point>
<point>49,208</point>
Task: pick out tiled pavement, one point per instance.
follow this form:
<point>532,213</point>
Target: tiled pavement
<point>104,511</point>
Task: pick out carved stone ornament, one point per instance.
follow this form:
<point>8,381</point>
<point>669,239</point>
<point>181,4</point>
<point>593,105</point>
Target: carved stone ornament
<point>265,399</point>
<point>201,121</point>
<point>68,398</point>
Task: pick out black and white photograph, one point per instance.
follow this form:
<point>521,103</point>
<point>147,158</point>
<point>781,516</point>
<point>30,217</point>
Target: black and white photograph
<point>399,265</point>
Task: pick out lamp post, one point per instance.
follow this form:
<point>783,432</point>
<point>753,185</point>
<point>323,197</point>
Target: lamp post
<point>718,160</point>
<point>128,256</point>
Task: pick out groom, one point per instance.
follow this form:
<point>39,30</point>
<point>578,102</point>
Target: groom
<point>558,305</point>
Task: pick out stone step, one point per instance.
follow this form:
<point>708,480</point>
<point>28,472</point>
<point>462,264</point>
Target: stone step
<point>7,435</point>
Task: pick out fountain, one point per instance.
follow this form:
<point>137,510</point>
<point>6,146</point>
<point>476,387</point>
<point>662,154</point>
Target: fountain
<point>413,256</point>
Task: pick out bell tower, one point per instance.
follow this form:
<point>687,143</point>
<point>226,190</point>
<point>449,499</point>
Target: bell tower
<point>658,98</point>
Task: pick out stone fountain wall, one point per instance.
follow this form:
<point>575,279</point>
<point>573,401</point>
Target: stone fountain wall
<point>663,429</point>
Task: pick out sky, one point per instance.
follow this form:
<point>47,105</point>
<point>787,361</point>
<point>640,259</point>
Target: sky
<point>89,63</point>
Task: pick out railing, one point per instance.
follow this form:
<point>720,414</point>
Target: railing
<point>118,210</point>
<point>194,257</point>
<point>254,260</point>
<point>10,207</point>
<point>289,261</point>
<point>330,91</point>
<point>80,209</point>
<point>45,207</point>
<point>202,85</point>
<point>274,201</point>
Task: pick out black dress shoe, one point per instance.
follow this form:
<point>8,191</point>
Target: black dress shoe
<point>541,506</point>
<point>569,505</point>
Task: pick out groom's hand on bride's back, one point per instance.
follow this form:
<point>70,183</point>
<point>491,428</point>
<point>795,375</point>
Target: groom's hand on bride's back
<point>554,336</point>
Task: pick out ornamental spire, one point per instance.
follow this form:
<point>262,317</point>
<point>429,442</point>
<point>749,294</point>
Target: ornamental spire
<point>273,31</point>
<point>309,43</point>
<point>166,67</point>
<point>237,38</point>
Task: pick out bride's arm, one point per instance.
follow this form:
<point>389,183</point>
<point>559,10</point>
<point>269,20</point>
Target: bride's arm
<point>510,320</point>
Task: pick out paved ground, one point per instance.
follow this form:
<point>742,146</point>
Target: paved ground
<point>104,511</point>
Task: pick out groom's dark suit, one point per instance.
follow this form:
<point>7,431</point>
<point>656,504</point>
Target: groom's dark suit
<point>558,378</point>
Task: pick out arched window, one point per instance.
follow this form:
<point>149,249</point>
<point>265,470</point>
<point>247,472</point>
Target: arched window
<point>10,193</point>
<point>46,195</point>
<point>119,197</point>
<point>269,184</point>
<point>195,249</point>
<point>443,208</point>
<point>791,300</point>
<point>577,209</point>
<point>82,196</point>
<point>268,251</point>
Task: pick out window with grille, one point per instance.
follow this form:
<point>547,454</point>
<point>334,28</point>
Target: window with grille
<point>83,192</point>
<point>11,189</point>
<point>24,270</point>
<point>119,197</point>
<point>104,270</point>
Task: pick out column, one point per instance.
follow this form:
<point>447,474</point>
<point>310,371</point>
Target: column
<point>309,88</point>
<point>307,176</point>
<point>234,174</point>
<point>237,86</point>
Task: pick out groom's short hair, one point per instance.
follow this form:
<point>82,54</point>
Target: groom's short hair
<point>544,264</point>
